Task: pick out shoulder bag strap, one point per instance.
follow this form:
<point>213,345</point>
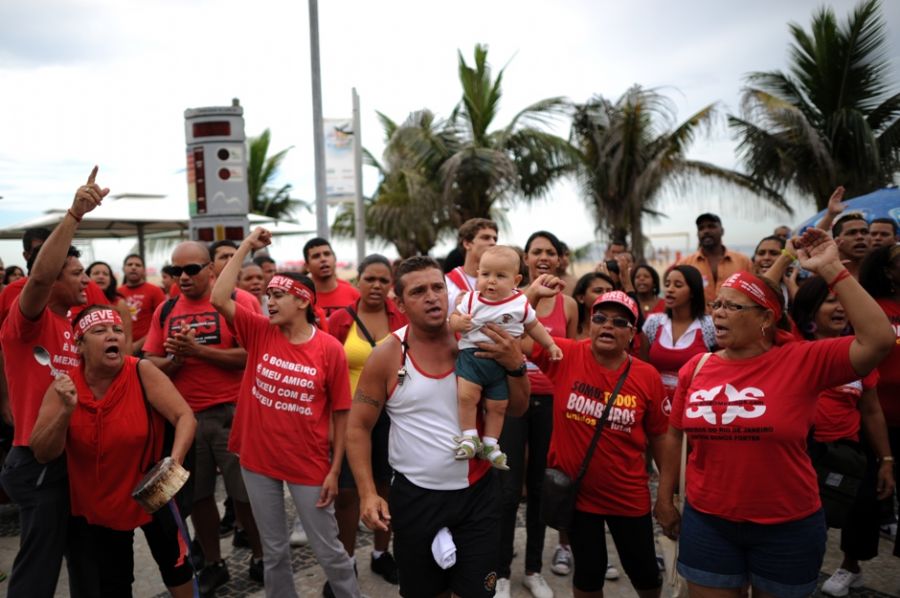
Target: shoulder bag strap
<point>361,326</point>
<point>599,428</point>
<point>150,440</point>
<point>681,470</point>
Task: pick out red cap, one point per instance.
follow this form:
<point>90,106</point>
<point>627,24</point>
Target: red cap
<point>619,298</point>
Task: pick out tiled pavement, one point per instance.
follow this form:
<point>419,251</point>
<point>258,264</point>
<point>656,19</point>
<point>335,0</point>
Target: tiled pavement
<point>881,575</point>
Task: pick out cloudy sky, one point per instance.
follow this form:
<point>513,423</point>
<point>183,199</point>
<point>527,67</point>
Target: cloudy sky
<point>107,82</point>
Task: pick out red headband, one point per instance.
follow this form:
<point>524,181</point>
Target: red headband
<point>96,318</point>
<point>289,285</point>
<point>755,289</point>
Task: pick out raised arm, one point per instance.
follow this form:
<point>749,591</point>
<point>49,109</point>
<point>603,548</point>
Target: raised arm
<point>875,337</point>
<point>368,401</point>
<point>165,398</point>
<point>221,293</point>
<point>48,437</point>
<point>52,255</point>
<point>834,209</point>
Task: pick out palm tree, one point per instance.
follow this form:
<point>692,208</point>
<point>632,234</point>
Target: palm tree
<point>407,208</point>
<point>520,159</point>
<point>832,119</point>
<point>630,151</point>
<point>261,171</point>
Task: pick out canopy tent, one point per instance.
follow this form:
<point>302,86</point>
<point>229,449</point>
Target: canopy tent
<point>884,203</point>
<point>137,215</point>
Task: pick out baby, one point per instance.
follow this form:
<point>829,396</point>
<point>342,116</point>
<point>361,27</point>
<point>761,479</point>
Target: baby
<point>497,301</point>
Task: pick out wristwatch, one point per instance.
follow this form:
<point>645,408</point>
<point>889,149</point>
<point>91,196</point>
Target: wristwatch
<point>518,372</point>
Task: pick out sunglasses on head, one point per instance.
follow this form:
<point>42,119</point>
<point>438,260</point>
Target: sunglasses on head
<point>617,321</point>
<point>190,269</point>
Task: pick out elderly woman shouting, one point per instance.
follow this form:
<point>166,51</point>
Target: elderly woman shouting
<point>752,512</point>
<point>106,418</point>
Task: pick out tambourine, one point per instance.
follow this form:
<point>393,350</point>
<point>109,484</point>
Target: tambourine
<point>160,485</point>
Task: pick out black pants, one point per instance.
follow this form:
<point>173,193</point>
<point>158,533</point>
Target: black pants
<point>860,534</point>
<point>472,516</point>
<point>530,432</point>
<point>42,495</point>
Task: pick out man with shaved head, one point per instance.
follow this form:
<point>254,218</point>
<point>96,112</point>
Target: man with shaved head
<point>190,342</point>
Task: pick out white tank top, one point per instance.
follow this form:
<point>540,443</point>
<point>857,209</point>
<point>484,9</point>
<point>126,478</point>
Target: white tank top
<point>424,419</point>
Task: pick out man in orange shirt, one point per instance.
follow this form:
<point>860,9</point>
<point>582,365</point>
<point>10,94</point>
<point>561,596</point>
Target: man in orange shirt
<point>714,261</point>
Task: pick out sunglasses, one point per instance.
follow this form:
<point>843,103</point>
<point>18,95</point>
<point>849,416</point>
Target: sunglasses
<point>190,269</point>
<point>618,321</point>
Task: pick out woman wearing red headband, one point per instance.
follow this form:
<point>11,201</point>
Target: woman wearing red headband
<point>753,513</point>
<point>102,418</point>
<point>295,386</point>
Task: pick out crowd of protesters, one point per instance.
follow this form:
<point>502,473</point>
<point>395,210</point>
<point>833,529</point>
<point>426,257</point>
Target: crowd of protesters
<point>388,401</point>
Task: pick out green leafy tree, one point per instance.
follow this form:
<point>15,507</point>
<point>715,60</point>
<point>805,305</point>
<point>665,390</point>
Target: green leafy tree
<point>518,160</point>
<point>832,119</point>
<point>632,148</point>
<point>262,169</point>
<point>407,208</point>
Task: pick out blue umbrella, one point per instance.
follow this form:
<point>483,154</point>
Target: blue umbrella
<point>884,203</point>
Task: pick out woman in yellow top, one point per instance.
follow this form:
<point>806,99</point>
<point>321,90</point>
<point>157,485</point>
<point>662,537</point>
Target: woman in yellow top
<point>360,328</point>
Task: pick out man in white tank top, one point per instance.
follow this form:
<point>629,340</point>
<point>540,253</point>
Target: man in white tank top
<point>412,376</point>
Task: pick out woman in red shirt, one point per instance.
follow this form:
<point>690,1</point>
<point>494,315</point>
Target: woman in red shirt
<point>295,387</point>
<point>683,330</point>
<point>645,280</point>
<point>102,418</point>
<point>753,513</point>
<point>615,489</point>
<point>840,414</point>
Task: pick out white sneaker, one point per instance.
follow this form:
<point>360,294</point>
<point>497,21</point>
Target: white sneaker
<point>502,588</point>
<point>611,572</point>
<point>562,560</point>
<point>537,585</point>
<point>298,534</point>
<point>840,583</point>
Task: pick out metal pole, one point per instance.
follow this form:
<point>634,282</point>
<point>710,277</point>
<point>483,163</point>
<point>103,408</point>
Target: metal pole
<point>318,126</point>
<point>140,236</point>
<point>359,209</point>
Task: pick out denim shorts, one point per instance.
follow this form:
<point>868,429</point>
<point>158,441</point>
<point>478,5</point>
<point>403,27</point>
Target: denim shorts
<point>782,559</point>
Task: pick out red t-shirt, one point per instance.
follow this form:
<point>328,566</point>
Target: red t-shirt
<point>108,449</point>
<point>26,378</point>
<point>837,414</point>
<point>748,420</point>
<point>287,396</point>
<point>889,370</point>
<point>202,384</point>
<point>343,295</point>
<point>11,292</point>
<point>142,301</point>
<point>616,482</point>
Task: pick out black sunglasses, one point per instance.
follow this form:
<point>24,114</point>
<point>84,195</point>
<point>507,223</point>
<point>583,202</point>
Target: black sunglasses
<point>618,321</point>
<point>190,269</point>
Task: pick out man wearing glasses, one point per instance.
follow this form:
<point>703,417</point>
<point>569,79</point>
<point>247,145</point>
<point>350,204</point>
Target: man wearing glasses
<point>190,342</point>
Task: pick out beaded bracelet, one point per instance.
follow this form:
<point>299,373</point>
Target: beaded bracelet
<point>73,215</point>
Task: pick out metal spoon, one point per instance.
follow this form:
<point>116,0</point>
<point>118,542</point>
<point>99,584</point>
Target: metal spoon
<point>42,356</point>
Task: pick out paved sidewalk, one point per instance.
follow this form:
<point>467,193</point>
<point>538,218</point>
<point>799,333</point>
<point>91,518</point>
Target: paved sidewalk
<point>881,575</point>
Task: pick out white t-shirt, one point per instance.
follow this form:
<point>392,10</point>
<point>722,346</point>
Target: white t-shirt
<point>511,314</point>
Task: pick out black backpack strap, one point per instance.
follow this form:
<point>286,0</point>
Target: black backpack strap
<point>361,326</point>
<point>167,308</point>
